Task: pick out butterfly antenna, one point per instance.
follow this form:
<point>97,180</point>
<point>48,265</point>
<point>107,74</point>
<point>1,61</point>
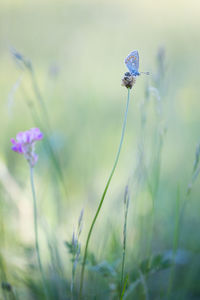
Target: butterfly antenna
<point>146,73</point>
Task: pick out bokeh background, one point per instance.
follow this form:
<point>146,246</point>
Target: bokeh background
<point>77,50</point>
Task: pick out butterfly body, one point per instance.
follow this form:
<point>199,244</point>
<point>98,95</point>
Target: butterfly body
<point>135,73</point>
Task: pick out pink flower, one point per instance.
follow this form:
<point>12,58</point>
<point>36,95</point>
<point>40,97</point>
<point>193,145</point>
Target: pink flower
<point>25,144</point>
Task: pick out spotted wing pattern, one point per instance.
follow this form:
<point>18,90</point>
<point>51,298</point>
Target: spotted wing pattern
<point>132,62</point>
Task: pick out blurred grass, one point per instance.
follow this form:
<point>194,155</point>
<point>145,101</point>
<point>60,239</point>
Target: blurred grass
<point>77,49</point>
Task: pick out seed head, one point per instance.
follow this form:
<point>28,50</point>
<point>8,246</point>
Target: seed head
<point>128,80</point>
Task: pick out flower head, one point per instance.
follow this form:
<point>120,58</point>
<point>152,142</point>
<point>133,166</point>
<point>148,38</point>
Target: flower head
<point>25,144</point>
<point>128,80</point>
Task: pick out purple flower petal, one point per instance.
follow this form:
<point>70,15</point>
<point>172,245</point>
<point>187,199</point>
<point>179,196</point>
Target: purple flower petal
<point>13,141</point>
<point>17,148</point>
<point>25,144</point>
<point>37,134</point>
<point>21,137</point>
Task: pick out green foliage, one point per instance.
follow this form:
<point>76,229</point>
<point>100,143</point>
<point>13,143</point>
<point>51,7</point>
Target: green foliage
<point>65,79</point>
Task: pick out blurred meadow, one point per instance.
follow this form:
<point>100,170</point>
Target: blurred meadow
<point>70,88</point>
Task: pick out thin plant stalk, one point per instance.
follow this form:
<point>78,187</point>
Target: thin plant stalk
<point>124,288</point>
<point>75,258</point>
<point>144,284</point>
<point>38,96</point>
<point>72,281</point>
<point>47,128</point>
<point>180,210</point>
<point>36,230</point>
<point>126,205</point>
<point>175,244</point>
<point>103,195</point>
<point>76,251</point>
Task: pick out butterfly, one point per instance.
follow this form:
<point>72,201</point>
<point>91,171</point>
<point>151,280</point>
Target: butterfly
<point>132,63</point>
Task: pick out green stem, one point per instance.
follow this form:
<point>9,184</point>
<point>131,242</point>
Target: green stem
<point>39,96</point>
<point>175,244</point>
<point>143,282</point>
<point>47,127</point>
<point>103,196</point>
<point>36,230</point>
<point>126,204</point>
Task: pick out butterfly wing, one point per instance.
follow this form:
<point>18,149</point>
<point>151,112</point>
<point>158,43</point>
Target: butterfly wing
<point>132,62</point>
